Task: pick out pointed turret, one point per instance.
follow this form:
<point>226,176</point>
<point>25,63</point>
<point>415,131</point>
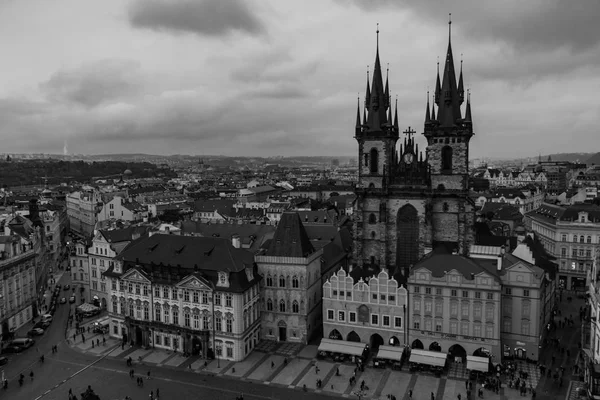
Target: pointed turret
<point>387,89</point>
<point>438,87</point>
<point>449,108</point>
<point>468,110</point>
<point>358,123</point>
<point>461,90</point>
<point>367,94</point>
<point>396,127</point>
<point>427,112</point>
<point>377,118</point>
<point>433,112</point>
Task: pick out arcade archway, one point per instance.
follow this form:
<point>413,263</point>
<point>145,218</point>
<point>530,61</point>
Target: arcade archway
<point>353,337</point>
<point>417,344</point>
<point>138,336</point>
<point>375,341</point>
<point>435,346</point>
<point>481,352</point>
<point>335,335</point>
<point>394,341</point>
<point>458,351</point>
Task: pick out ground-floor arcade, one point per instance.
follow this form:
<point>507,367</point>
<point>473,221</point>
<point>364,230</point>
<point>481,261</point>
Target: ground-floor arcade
<point>373,337</point>
<point>458,351</point>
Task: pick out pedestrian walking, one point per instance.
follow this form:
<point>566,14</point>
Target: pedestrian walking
<point>151,395</point>
<point>410,394</point>
<point>98,342</point>
<point>157,393</point>
<point>31,375</point>
<point>104,341</point>
<point>148,374</point>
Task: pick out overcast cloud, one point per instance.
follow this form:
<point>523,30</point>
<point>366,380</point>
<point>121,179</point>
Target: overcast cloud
<point>258,77</point>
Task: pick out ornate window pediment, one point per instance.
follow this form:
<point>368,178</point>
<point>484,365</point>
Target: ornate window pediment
<point>223,279</point>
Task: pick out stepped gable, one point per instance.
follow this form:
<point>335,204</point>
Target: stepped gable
<point>290,239</point>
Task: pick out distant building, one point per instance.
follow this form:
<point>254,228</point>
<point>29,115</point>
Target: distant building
<point>82,208</point>
<point>123,209</point>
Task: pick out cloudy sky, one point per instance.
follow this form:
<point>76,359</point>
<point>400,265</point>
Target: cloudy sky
<point>275,77</point>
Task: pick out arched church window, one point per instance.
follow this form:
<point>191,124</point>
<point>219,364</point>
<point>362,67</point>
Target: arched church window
<point>447,158</point>
<point>372,219</point>
<point>374,158</point>
<point>366,160</point>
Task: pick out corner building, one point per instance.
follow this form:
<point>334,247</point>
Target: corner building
<point>187,294</point>
<point>408,203</point>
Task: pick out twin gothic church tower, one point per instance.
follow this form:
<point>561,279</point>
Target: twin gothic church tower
<point>409,204</point>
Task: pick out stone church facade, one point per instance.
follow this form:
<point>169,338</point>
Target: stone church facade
<point>409,203</point>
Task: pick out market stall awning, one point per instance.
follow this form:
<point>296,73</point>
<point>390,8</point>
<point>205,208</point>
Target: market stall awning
<point>342,347</point>
<point>428,357</point>
<point>390,353</point>
<point>481,364</point>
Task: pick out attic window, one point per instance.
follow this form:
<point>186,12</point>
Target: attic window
<point>153,247</point>
<point>180,250</point>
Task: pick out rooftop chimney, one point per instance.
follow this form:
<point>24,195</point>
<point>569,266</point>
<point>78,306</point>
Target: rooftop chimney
<point>236,242</point>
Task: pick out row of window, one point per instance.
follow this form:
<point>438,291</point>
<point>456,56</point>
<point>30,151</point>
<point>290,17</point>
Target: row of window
<point>582,238</point>
<point>283,281</point>
<point>374,296</point>
<point>509,291</point>
<point>454,293</point>
<point>577,252</point>
<point>168,316</point>
<point>101,263</point>
<point>465,308</point>
<point>431,325</point>
<point>283,307</point>
<point>374,318</point>
<point>507,326</point>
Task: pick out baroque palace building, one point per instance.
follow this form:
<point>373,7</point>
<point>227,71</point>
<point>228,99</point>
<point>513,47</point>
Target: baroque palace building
<point>414,221</point>
<point>187,294</point>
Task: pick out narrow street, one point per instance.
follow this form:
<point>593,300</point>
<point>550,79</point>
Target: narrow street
<point>569,338</point>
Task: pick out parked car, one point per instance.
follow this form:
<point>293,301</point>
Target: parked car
<point>42,325</point>
<point>72,299</point>
<point>3,360</point>
<point>67,287</point>
<point>47,318</point>
<point>35,332</point>
<point>12,349</point>
<point>23,343</point>
<point>63,300</point>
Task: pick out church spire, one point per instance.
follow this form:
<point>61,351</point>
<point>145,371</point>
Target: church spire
<point>468,110</point>
<point>387,87</point>
<point>358,123</point>
<point>427,112</point>
<point>396,116</point>
<point>449,108</point>
<point>433,112</point>
<point>367,94</point>
<point>377,118</point>
<point>438,86</point>
<point>461,90</point>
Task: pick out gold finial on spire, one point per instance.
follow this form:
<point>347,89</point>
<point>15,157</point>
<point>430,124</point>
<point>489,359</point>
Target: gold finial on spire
<point>449,25</point>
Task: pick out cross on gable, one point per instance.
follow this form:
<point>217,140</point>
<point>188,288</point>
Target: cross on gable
<point>409,132</point>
